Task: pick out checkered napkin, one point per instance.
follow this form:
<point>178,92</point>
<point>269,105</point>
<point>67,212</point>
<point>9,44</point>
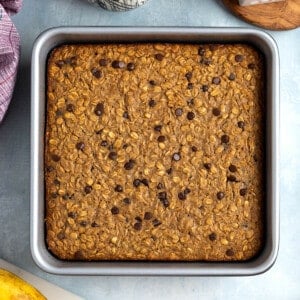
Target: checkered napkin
<point>118,5</point>
<point>9,52</point>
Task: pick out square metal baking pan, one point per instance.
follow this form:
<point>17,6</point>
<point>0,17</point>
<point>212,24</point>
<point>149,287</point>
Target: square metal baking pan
<point>56,36</point>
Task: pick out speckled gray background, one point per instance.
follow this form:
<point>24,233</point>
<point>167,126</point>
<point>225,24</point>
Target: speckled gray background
<point>281,282</point>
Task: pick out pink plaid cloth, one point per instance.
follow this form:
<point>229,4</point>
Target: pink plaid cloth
<point>9,52</point>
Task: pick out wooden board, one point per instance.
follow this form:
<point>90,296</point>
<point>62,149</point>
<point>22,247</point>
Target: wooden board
<point>275,16</point>
<point>49,290</point>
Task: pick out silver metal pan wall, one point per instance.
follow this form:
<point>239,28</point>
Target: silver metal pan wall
<point>56,36</point>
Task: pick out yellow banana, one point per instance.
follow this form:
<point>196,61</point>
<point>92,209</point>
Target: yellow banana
<point>13,287</point>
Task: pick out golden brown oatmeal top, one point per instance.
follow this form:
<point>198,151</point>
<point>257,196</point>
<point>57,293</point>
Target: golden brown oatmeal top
<point>154,151</point>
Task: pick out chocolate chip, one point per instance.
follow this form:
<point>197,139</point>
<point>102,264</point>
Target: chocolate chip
<point>67,60</point>
<point>176,156</point>
<point>55,157</point>
<point>148,215</point>
<point>117,64</point>
<point>239,58</point>
<point>129,165</point>
<point>99,131</point>
<point>231,178</point>
<point>137,226</point>
<point>49,169</point>
<point>190,115</point>
<point>243,192</point>
<point>178,112</point>
<point>194,148</point>
<point>251,66</point>
<point>83,223</point>
<point>152,82</point>
<point>54,195</point>
<point>161,139</point>
<point>78,255</point>
<point>190,102</point>
<point>181,196</point>
<point>80,146</point>
<point>56,182</point>
<point>125,115</point>
<point>232,168</point>
<point>59,113</point>
<point>156,222</point>
<point>245,225</point>
<point>169,171</point>
<point>160,186</point>
<point>220,195</point>
<point>187,191</point>
<point>162,195</point>
<point>207,166</point>
<point>118,188</point>
<point>212,237</point>
<point>72,215</point>
<point>130,66</point>
<point>206,61</point>
<point>188,75</point>
<point>125,146</point>
<point>138,218</point>
<point>61,235</point>
<point>231,76</point>
<point>60,63</point>
<point>151,103</point>
<point>204,88</point>
<point>68,196</point>
<point>165,202</point>
<point>213,47</point>
<point>94,224</point>
<point>70,107</point>
<point>159,56</point>
<point>216,112</point>
<point>127,200</point>
<point>153,237</point>
<point>145,182</point>
<point>241,124</point>
<point>104,143</point>
<point>216,80</point>
<point>112,155</point>
<point>99,109</point>
<point>115,210</point>
<point>201,51</point>
<point>229,252</point>
<point>103,62</point>
<point>71,61</point>
<point>136,182</point>
<point>88,189</point>
<point>190,86</point>
<point>96,73</point>
<point>158,128</point>
<point>225,139</point>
